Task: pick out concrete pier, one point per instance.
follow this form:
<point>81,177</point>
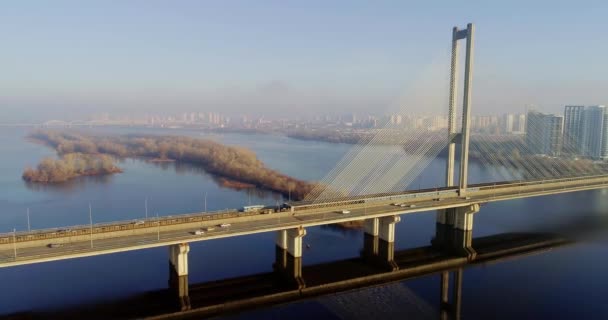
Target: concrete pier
<point>383,227</point>
<point>288,260</point>
<point>379,241</point>
<point>454,230</point>
<point>178,273</point>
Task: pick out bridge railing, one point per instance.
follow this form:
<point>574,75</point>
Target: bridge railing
<point>507,184</point>
<point>78,230</point>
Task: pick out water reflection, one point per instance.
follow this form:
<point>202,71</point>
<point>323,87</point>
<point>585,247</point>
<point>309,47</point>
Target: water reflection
<point>69,186</point>
<point>183,168</point>
<point>336,278</point>
<point>350,228</point>
<point>179,168</point>
<point>450,308</point>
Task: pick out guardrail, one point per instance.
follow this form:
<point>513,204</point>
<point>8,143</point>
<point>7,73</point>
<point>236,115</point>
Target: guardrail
<point>80,230</point>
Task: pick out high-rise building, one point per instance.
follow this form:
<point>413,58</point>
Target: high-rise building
<point>544,133</point>
<point>573,129</point>
<point>594,132</point>
<point>533,134</point>
<point>586,131</point>
<point>554,126</point>
<point>522,123</point>
<point>508,122</point>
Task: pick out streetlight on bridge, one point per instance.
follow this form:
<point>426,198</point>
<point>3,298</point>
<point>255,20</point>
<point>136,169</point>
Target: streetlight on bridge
<point>15,242</point>
<point>91,224</point>
<point>28,220</point>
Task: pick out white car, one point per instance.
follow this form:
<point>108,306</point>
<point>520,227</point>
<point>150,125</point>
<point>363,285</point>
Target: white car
<point>403,205</point>
<point>412,206</point>
<point>225,225</point>
<point>138,223</point>
<point>210,228</point>
<point>345,211</point>
<point>199,232</point>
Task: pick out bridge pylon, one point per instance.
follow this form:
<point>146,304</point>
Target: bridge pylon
<point>461,137</point>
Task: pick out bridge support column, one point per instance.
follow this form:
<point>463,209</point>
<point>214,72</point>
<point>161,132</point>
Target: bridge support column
<point>379,241</point>
<point>441,228</point>
<point>178,273</point>
<point>288,260</point>
<point>454,230</point>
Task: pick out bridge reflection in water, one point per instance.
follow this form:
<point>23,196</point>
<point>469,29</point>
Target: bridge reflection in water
<point>378,264</point>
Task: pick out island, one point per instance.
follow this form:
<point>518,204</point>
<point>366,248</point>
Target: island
<point>235,166</point>
<point>70,166</point>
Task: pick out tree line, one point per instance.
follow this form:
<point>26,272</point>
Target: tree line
<point>69,166</point>
<point>236,163</point>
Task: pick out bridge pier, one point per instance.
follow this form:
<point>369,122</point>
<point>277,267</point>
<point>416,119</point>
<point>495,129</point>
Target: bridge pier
<point>288,260</point>
<point>379,241</point>
<point>178,273</point>
<point>454,230</point>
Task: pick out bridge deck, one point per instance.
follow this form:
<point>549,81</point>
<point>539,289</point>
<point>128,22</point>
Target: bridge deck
<point>77,242</point>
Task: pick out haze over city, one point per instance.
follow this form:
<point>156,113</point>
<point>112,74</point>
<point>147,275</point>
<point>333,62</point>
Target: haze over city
<point>303,160</point>
<point>69,60</point>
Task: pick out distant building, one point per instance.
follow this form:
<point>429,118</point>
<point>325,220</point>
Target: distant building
<point>395,119</point>
<point>521,124</point>
<point>544,133</point>
<point>586,131</point>
<point>508,122</point>
<point>573,129</point>
<point>594,143</point>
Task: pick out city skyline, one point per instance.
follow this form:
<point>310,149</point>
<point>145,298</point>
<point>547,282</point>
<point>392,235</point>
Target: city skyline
<point>307,159</point>
<point>73,59</point>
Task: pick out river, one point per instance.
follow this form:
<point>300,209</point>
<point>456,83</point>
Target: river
<point>563,283</point>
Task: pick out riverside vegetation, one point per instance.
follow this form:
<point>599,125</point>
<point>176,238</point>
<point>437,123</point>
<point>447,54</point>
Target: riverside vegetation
<point>234,163</point>
<point>69,166</point>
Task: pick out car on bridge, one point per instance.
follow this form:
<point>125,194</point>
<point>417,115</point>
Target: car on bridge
<point>199,232</point>
<point>345,211</point>
<point>225,225</point>
<point>55,245</point>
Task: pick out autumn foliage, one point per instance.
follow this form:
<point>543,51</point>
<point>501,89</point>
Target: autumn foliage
<point>69,166</point>
<point>235,163</point>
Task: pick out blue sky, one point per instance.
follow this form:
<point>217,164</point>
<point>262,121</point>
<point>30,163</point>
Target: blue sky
<point>275,56</point>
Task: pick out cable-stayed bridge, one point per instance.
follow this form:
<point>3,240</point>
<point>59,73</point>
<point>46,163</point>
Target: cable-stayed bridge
<point>365,185</point>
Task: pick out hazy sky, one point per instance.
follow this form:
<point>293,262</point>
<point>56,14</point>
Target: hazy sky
<point>70,58</point>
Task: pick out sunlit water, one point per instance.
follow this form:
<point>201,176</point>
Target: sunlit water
<point>563,283</point>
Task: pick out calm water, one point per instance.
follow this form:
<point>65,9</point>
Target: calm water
<point>564,283</point>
